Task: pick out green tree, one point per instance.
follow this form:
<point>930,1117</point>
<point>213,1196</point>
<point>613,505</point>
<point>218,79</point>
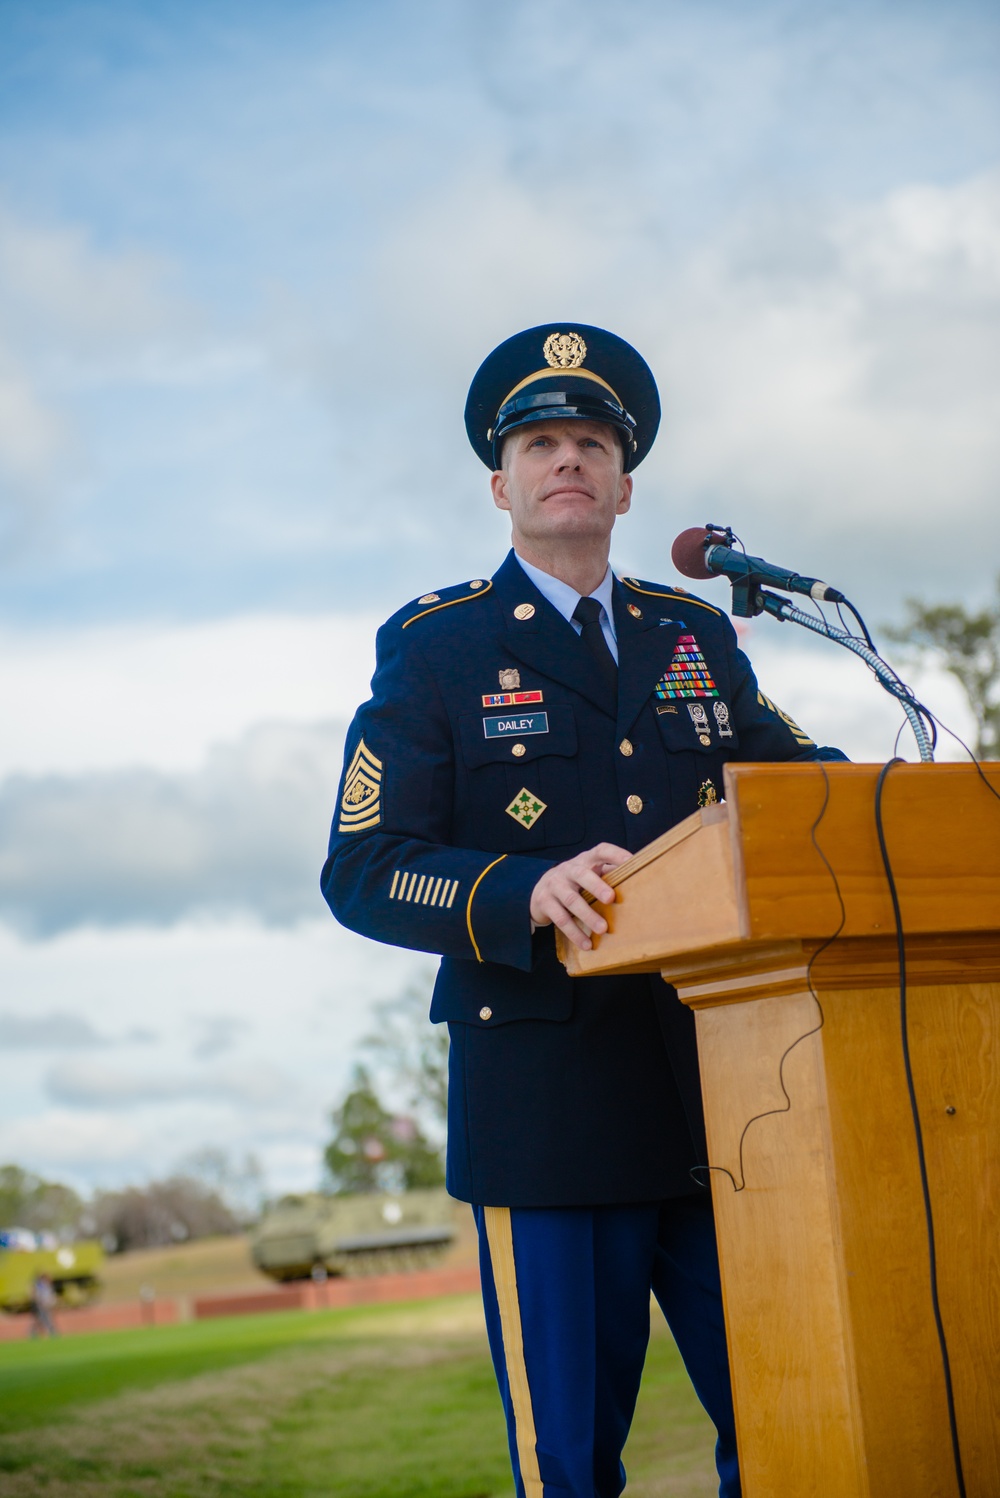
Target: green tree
<point>967,645</point>
<point>28,1201</point>
<point>375,1150</point>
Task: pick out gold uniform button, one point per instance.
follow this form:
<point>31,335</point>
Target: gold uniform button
<point>705,738</point>
<point>477,584</point>
<point>634,804</point>
<point>524,611</point>
<point>518,749</point>
<point>429,598</point>
<point>625,747</point>
<point>486,1012</point>
<point>635,611</point>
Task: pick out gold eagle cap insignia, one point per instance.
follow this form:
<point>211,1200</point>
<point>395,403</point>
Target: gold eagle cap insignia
<point>564,351</point>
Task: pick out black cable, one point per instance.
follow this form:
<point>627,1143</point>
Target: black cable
<point>979,769</point>
<point>864,628</point>
<point>917,1130</point>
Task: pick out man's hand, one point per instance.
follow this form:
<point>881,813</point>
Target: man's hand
<point>556,899</point>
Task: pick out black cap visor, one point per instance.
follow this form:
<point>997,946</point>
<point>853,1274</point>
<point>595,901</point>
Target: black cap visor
<point>561,405</point>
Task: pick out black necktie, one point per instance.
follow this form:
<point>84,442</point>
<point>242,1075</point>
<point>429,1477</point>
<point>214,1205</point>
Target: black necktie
<point>588,613</point>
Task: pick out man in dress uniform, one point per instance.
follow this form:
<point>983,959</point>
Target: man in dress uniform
<point>527,732</point>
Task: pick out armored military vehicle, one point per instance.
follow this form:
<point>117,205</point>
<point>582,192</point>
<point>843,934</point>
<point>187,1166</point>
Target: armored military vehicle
<point>375,1233</point>
<point>72,1268</point>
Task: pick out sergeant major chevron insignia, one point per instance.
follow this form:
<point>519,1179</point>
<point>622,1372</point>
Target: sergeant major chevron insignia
<point>361,802</point>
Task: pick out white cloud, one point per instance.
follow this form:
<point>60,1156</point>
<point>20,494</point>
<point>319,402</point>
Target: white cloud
<point>64,299</point>
<point>68,1139</point>
<point>96,1084</point>
<point>160,695</point>
<point>245,834</point>
<point>51,1031</point>
<point>295,1002</point>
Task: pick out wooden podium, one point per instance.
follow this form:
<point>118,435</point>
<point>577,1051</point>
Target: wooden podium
<point>837,1368</point>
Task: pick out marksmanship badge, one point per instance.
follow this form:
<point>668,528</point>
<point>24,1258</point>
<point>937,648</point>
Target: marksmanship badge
<point>526,808</point>
<point>564,351</point>
<point>721,712</point>
<point>699,718</point>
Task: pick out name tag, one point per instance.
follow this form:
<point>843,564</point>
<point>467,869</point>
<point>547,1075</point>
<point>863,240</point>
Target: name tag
<point>498,728</point>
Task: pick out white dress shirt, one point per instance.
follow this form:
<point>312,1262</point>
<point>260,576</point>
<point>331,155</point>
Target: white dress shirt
<point>565,599</point>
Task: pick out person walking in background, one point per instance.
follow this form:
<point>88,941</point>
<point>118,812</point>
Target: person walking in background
<point>43,1303</point>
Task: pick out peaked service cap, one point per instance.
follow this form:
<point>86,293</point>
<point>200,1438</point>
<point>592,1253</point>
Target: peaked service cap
<point>565,372</point>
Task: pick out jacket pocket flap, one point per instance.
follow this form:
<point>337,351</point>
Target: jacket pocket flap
<point>488,738</point>
<point>705,730</point>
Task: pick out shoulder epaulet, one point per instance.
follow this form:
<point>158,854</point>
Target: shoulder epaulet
<point>657,590</point>
<point>430,603</point>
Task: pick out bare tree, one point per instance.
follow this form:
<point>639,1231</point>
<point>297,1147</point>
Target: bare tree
<point>412,1054</point>
<point>967,645</point>
<point>240,1185</point>
<point>170,1211</point>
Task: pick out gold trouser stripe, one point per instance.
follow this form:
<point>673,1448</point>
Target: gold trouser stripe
<point>468,908</point>
<point>501,1241</point>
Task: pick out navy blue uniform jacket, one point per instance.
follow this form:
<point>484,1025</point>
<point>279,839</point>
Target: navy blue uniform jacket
<point>562,1091</point>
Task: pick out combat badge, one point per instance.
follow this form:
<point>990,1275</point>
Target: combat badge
<point>721,712</point>
<point>699,718</point>
<point>707,794</point>
<point>361,802</point>
<point>526,808</point>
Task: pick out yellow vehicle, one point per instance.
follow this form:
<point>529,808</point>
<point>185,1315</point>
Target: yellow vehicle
<point>72,1267</point>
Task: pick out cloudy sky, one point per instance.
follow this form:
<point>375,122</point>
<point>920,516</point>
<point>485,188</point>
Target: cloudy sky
<point>250,255</point>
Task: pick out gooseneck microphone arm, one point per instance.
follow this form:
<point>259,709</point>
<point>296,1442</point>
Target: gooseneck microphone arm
<point>708,551</point>
<point>786,612</point>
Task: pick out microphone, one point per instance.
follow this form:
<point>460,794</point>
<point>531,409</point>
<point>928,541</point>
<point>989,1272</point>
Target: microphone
<point>704,551</point>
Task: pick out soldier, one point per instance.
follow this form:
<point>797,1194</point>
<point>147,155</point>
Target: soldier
<point>526,733</point>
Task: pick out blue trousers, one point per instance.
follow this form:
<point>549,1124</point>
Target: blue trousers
<point>566,1293</point>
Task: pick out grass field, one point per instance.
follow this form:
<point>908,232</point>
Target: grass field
<point>383,1402</point>
<point>219,1266</point>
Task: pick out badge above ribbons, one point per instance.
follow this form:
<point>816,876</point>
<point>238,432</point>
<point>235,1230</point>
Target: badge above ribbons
<point>361,802</point>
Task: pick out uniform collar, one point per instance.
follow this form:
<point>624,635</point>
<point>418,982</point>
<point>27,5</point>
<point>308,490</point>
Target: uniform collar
<point>564,598</point>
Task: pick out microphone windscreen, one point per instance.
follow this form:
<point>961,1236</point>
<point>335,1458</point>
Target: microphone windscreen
<point>688,553</point>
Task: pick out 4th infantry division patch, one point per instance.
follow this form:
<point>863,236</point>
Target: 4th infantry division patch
<point>525,808</point>
<point>361,803</point>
